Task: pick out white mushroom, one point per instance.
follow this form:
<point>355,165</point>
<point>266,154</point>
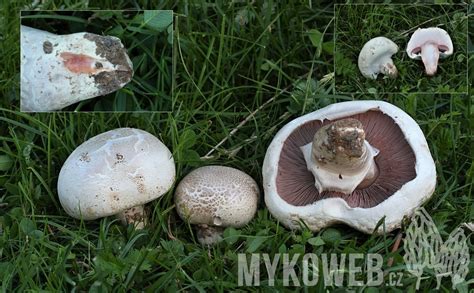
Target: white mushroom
<point>216,197</point>
<point>60,70</point>
<point>429,44</point>
<point>376,57</point>
<point>115,173</point>
<point>353,162</point>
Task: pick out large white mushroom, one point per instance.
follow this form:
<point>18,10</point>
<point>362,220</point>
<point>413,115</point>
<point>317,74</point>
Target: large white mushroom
<point>352,162</point>
<point>60,70</point>
<point>376,57</point>
<point>116,173</point>
<point>429,44</point>
<point>216,197</point>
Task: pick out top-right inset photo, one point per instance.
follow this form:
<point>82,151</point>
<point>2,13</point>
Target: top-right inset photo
<point>392,48</point>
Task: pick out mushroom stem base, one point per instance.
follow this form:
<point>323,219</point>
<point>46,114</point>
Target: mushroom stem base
<point>339,157</point>
<point>389,69</point>
<point>209,235</point>
<point>135,215</point>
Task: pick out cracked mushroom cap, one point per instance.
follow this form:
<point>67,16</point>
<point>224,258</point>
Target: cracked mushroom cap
<point>433,35</point>
<point>60,70</point>
<point>114,171</point>
<point>217,196</point>
<point>376,57</point>
<point>406,171</point>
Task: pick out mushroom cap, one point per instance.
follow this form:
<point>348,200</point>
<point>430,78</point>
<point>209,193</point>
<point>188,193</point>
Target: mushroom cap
<point>217,196</point>
<point>374,54</point>
<point>60,70</point>
<point>432,35</point>
<point>406,179</point>
<point>114,171</point>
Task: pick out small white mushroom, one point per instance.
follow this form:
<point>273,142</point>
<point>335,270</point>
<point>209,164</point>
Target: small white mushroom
<point>429,44</point>
<point>116,173</point>
<point>376,57</point>
<point>60,70</point>
<point>216,197</point>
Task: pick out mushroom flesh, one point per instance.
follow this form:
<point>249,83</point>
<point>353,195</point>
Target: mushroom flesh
<point>352,162</point>
<point>216,197</point>
<point>60,70</point>
<point>376,57</point>
<point>429,44</point>
<point>116,173</point>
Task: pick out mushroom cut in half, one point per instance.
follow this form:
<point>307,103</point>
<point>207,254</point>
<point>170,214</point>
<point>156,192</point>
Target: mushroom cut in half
<point>116,173</point>
<point>430,44</point>
<point>216,197</point>
<point>352,162</point>
<point>376,57</point>
<point>60,70</point>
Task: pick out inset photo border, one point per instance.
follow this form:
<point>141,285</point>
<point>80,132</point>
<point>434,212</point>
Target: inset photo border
<point>107,60</point>
<point>356,24</point>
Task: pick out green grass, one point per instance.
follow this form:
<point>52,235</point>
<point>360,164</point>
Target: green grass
<point>231,60</point>
<point>357,24</point>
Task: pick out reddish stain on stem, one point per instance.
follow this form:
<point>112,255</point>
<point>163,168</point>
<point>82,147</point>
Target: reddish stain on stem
<point>78,63</point>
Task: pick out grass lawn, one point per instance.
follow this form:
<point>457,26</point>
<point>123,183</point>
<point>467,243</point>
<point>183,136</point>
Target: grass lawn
<point>264,62</point>
<point>357,24</point>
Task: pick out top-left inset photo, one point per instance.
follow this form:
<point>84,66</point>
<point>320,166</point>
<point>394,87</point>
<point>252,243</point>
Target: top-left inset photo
<point>118,61</point>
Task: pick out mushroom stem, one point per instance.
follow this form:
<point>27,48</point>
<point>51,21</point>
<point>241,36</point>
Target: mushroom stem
<point>339,157</point>
<point>209,235</point>
<point>388,68</point>
<point>430,56</point>
<point>135,215</point>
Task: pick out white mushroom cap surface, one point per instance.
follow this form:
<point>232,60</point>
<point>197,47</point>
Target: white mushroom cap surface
<point>115,171</point>
<point>429,44</point>
<point>60,70</point>
<point>376,57</point>
<point>318,213</point>
<point>217,196</point>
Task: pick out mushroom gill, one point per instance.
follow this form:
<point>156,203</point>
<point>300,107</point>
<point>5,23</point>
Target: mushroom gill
<point>395,162</point>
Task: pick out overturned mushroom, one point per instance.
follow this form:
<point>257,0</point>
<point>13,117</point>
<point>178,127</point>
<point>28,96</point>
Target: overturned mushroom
<point>116,173</point>
<point>429,44</point>
<point>376,57</point>
<point>216,197</point>
<point>60,70</point>
<point>353,162</point>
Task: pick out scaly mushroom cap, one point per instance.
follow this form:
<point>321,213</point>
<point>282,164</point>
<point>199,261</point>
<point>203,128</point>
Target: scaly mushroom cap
<point>376,57</point>
<point>114,171</point>
<point>59,70</point>
<point>406,174</point>
<point>429,44</point>
<point>217,196</point>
